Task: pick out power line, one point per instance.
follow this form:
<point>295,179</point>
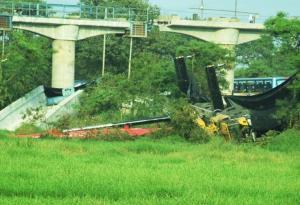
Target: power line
<point>229,11</point>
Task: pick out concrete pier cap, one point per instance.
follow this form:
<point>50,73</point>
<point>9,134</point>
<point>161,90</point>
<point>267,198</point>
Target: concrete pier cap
<point>66,32</point>
<point>228,36</point>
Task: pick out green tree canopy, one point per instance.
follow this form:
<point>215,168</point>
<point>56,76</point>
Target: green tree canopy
<point>27,64</point>
<point>276,53</point>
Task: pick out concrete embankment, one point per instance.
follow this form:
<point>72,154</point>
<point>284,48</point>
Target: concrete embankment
<point>14,115</point>
<point>33,108</point>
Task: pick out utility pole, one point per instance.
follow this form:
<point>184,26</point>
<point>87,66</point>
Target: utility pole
<point>193,59</point>
<point>2,57</point>
<point>130,56</point>
<point>202,9</point>
<point>103,54</point>
<point>235,9</point>
<point>5,25</point>
<point>3,45</point>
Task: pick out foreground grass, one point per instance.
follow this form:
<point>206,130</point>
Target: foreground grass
<point>146,171</point>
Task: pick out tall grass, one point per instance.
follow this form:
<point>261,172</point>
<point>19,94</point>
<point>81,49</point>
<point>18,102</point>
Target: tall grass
<point>145,171</point>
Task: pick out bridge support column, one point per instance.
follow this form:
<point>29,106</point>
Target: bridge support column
<point>63,64</point>
<point>228,39</point>
<point>229,75</point>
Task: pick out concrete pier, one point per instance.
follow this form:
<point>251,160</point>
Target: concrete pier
<point>65,32</point>
<point>229,76</point>
<point>228,39</point>
<point>226,32</point>
<point>63,64</point>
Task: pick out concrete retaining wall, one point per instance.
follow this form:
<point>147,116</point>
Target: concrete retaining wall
<point>11,117</point>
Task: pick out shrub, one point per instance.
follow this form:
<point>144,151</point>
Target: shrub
<point>63,122</point>
<point>162,132</point>
<point>5,133</point>
<point>113,135</point>
<point>184,123</point>
<point>28,128</point>
<point>287,141</point>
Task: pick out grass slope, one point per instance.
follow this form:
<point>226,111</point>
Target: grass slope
<point>146,171</point>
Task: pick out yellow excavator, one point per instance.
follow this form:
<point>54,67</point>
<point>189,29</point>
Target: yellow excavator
<point>224,125</point>
<point>214,118</point>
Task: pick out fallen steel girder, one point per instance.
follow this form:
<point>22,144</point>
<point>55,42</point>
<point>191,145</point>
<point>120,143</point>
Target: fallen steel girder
<point>104,129</point>
<point>262,107</point>
<point>187,82</point>
<point>267,100</point>
<point>128,123</point>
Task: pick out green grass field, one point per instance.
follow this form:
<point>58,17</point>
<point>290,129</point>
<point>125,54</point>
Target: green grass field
<point>148,171</point>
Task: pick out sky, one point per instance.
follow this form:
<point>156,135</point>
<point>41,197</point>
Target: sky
<point>264,8</point>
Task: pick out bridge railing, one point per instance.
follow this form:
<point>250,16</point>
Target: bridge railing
<point>73,11</point>
<point>214,14</point>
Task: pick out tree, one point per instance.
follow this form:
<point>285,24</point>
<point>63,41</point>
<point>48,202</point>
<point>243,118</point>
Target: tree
<point>276,53</point>
<point>138,4</point>
<point>286,32</point>
<point>149,92</point>
<point>28,65</point>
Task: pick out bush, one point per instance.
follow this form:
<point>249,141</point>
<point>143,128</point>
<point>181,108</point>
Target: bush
<point>5,133</point>
<point>287,141</point>
<point>162,132</point>
<point>63,122</point>
<point>28,128</point>
<point>198,135</point>
<point>122,99</point>
<point>113,135</point>
<point>184,123</point>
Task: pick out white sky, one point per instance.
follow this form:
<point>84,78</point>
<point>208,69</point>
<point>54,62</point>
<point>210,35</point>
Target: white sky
<point>265,8</point>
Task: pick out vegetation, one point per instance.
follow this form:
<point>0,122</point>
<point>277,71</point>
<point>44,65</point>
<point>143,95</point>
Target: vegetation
<point>26,64</point>
<point>184,123</point>
<point>285,142</point>
<point>147,171</point>
<point>28,129</point>
<point>277,53</point>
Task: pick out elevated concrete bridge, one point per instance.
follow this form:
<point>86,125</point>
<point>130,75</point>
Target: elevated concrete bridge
<point>66,24</point>
<point>226,32</point>
<point>65,32</point>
